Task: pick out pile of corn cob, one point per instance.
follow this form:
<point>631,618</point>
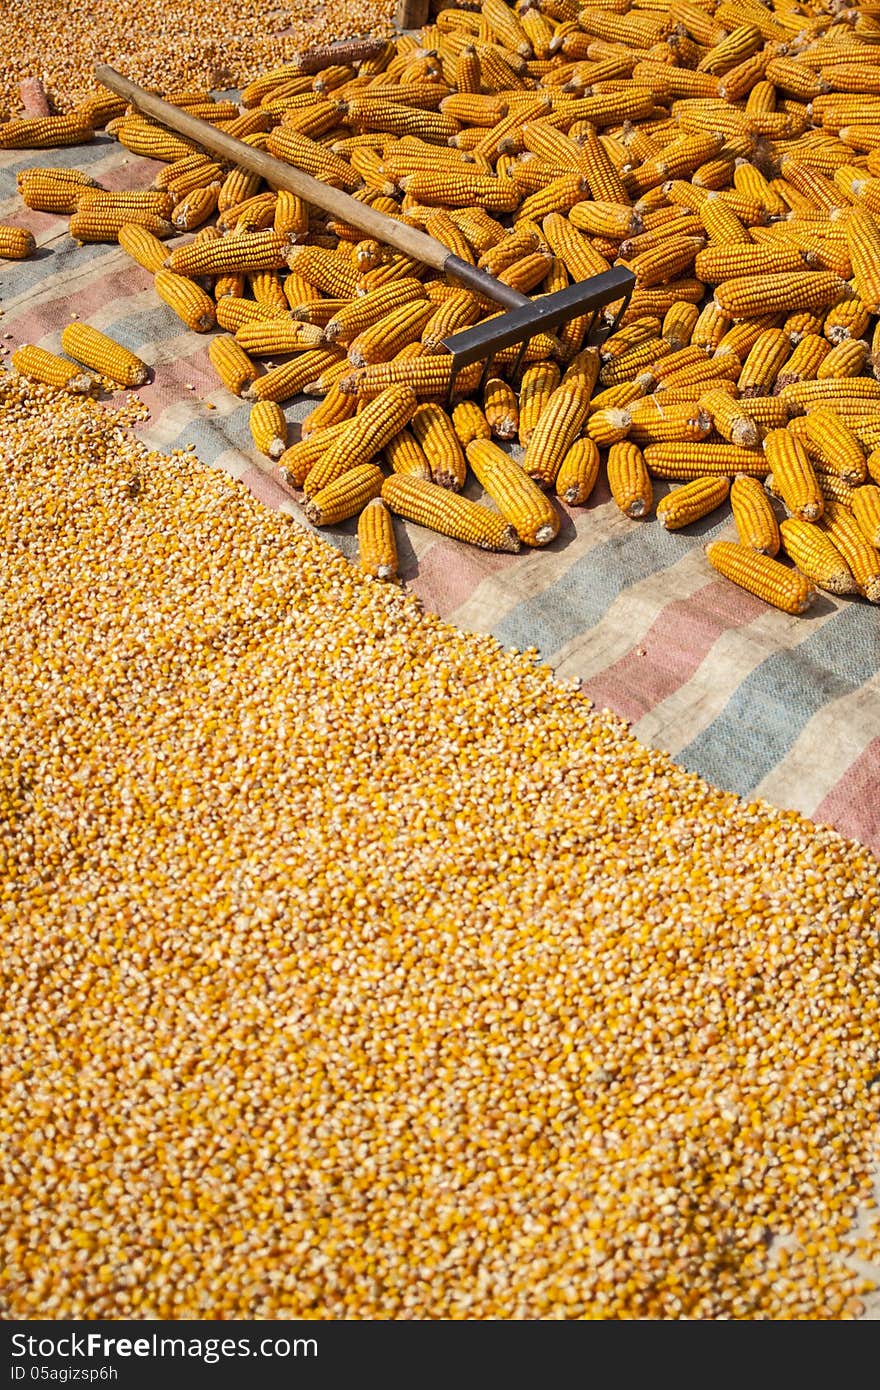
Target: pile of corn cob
<point>729,154</point>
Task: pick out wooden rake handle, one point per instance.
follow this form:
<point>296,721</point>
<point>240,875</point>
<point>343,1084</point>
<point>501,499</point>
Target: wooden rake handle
<point>279,174</point>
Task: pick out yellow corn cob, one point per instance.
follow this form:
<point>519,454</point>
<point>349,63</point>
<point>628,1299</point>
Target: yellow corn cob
<point>480,230</point>
<point>203,175</point>
<point>510,249</point>
<point>753,515</point>
<point>404,454</point>
<point>313,158</point>
<point>618,397</point>
<point>264,250</point>
<point>328,271</point>
<point>361,313</point>
<point>94,349</point>
<point>501,408</point>
<point>192,305</point>
<point>731,419</point>
<point>435,433</point>
<point>747,296</point>
<point>638,364</point>
<point>156,200</point>
<point>578,473</point>
<point>695,374</point>
<point>429,376</point>
<point>521,501</point>
<point>862,558</point>
<point>805,395</point>
<point>195,208</point>
<point>45,191</point>
<point>761,575</point>
<point>794,475</point>
<point>142,246</point>
<point>691,501</point>
<point>267,288</point>
<point>653,420</point>
<point>16,243</point>
<point>678,325</point>
<point>233,311</point>
<point>721,223</point>
<point>719,262</point>
<point>633,335</point>
<point>764,362</point>
<point>153,141</point>
<point>233,366</point>
<point>335,407</point>
<point>539,381</point>
<point>470,423</point>
<point>346,496</point>
<point>629,480</point>
<point>804,362</point>
<point>863,242</point>
<point>256,214</point>
<point>383,339</point>
<point>845,360</point>
<point>450,513</point>
<point>608,426</point>
<point>297,459</point>
<point>377,547</point>
<point>710,328</point>
<point>685,461</point>
<point>268,428</point>
<point>290,378</point>
<point>237,188</point>
<point>459,311</point>
<point>363,436</point>
<point>829,441</point>
<point>39,365</point>
<point>46,132</point>
<point>69,178</point>
<point>816,556</point>
<point>553,434</point>
<point>865,502</point>
<point>849,318</point>
<point>105,223</point>
<point>601,218</point>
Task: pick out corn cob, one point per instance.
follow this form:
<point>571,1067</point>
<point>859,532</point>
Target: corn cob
<point>430,376</point>
<point>151,140</point>
<point>578,473</point>
<point>829,441</point>
<point>731,420</point>
<point>678,325</point>
<point>363,436</point>
<point>450,513</point>
<point>521,501</point>
<point>264,250</point>
<point>94,349</point>
<point>268,428</point>
<point>333,408</point>
<point>435,433</point>
<point>361,313</point>
<point>501,408</point>
<point>794,475</point>
<point>753,515</point>
<point>328,271</point>
<point>761,575</point>
<point>804,362</point>
<point>629,480</point>
<point>383,339</point>
<point>862,559</point>
<point>865,504</point>
<point>290,378</point>
<point>346,496</point>
<point>608,426</point>
<point>104,223</point>
<point>16,243</point>
<point>470,423</point>
<point>39,365</point>
<point>691,501</point>
<point>816,556</point>
<point>653,420</point>
<point>232,364</point>
<point>747,296</point>
<point>538,383</point>
<point>46,132</point>
<point>686,461</point>
<point>404,454</point>
<point>764,362</point>
<point>377,547</point>
<point>192,305</point>
<point>297,459</point>
<point>564,417</point>
<point>195,208</point>
<point>805,395</point>
<point>845,360</point>
<point>155,200</point>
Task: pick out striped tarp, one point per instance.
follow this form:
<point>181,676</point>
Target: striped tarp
<point>756,702</point>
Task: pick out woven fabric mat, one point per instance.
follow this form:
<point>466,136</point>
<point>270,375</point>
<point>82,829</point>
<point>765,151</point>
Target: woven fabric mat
<point>756,702</point>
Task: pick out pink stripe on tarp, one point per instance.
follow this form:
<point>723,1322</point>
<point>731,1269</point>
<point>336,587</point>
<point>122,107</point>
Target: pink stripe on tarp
<point>194,367</point>
<point>853,805</point>
<point>674,646</point>
<point>268,490</point>
<point>448,573</point>
<point>31,324</point>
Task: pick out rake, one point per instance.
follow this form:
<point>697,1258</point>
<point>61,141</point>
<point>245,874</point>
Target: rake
<point>525,316</point>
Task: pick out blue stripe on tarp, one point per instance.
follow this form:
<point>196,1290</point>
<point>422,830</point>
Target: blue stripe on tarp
<point>765,716</point>
<point>68,157</point>
<point>580,598</point>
